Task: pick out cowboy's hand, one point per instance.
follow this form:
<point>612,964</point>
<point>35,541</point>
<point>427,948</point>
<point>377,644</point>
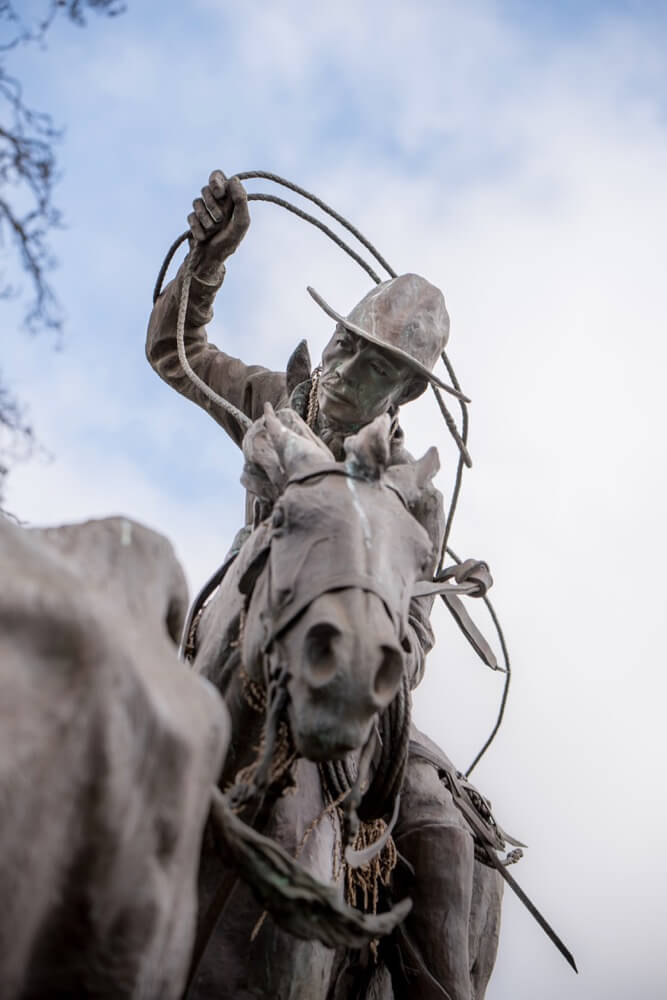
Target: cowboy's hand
<point>220,219</point>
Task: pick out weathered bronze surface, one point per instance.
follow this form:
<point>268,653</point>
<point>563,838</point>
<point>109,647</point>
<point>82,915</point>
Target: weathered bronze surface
<point>108,750</point>
<point>379,357</point>
<point>296,837</point>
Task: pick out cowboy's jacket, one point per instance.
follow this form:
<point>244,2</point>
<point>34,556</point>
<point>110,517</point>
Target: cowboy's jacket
<point>249,387</point>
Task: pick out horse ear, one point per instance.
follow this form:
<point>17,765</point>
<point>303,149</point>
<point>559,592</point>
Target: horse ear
<point>292,421</point>
<point>283,446</point>
<point>426,467</point>
<point>412,478</point>
<point>263,473</point>
<point>367,451</point>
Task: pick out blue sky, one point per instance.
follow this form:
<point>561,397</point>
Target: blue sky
<point>516,155</point>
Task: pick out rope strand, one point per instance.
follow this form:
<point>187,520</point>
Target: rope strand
<point>508,674</point>
<point>238,415</point>
<point>266,175</point>
<point>319,225</point>
<point>459,468</point>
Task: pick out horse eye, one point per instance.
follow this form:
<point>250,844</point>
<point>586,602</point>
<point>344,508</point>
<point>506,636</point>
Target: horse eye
<point>278,517</point>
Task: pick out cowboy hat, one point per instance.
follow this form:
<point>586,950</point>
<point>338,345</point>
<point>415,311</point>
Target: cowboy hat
<point>405,316</point>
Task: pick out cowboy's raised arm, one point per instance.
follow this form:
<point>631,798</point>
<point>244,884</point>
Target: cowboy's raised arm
<point>218,223</point>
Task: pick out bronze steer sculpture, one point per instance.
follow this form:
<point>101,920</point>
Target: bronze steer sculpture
<point>313,611</point>
<point>108,751</point>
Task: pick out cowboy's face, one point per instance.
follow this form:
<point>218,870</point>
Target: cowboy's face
<point>359,380</point>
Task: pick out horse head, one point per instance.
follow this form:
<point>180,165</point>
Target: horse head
<point>332,581</point>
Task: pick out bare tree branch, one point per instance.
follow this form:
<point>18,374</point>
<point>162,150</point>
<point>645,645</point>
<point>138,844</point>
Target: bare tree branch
<point>28,174</point>
<point>74,10</point>
<point>28,171</point>
<point>17,440</point>
<point>27,177</point>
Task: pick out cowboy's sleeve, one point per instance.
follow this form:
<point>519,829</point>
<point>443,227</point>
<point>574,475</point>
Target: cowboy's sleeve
<point>431,515</point>
<point>248,387</point>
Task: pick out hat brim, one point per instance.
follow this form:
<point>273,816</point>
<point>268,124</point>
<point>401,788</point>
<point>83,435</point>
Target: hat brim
<point>396,352</point>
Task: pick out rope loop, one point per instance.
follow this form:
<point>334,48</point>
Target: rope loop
<point>460,437</point>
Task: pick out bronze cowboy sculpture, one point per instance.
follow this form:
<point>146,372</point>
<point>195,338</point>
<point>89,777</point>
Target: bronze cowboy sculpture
<point>380,356</point>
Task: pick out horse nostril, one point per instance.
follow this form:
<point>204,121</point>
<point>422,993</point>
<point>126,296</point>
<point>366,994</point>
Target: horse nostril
<point>319,654</point>
<point>389,674</point>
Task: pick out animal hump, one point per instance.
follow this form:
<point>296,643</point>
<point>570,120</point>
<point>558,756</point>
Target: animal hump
<point>367,452</point>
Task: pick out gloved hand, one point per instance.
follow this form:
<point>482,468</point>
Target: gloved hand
<point>218,223</point>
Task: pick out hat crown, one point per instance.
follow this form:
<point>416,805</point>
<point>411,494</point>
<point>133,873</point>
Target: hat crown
<point>406,314</point>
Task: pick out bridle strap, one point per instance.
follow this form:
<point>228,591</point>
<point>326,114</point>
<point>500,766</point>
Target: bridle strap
<point>342,470</point>
<point>324,585</point>
<point>325,469</point>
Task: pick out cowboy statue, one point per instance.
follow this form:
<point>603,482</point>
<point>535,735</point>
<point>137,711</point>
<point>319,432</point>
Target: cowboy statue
<point>380,357</point>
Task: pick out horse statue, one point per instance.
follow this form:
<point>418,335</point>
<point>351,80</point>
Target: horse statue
<point>151,826</point>
<point>305,638</point>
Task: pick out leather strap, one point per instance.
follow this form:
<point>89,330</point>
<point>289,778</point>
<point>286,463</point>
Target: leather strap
<point>341,581</point>
<point>473,579</point>
<point>426,587</point>
<point>481,830</point>
<point>471,632</point>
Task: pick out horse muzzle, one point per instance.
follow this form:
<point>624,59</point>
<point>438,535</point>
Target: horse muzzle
<point>341,680</point>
